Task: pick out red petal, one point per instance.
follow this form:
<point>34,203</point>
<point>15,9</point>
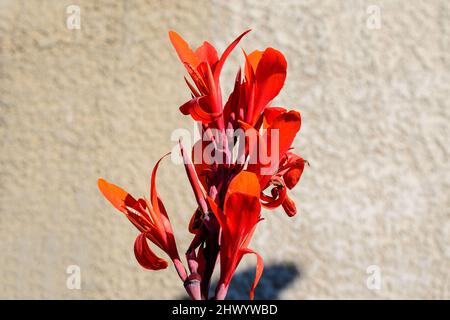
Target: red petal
<point>242,212</point>
<point>245,182</point>
<point>259,269</point>
<point>287,124</point>
<point>225,54</point>
<point>250,88</point>
<point>292,177</point>
<point>206,52</point>
<point>289,207</point>
<point>195,222</point>
<point>153,193</point>
<point>217,211</point>
<point>242,207</point>
<point>270,114</point>
<point>270,75</point>
<point>276,200</point>
<point>145,256</point>
<point>193,180</point>
<point>194,91</point>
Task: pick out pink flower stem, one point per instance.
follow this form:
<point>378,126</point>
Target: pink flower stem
<point>181,270</point>
<point>221,291</point>
<point>192,286</point>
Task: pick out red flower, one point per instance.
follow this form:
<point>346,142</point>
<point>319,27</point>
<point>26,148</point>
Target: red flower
<point>151,219</point>
<point>204,67</point>
<point>229,191</point>
<point>241,213</point>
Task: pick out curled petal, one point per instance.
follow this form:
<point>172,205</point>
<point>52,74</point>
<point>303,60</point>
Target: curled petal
<point>145,256</point>
<point>154,209</point>
<point>293,175</point>
<point>276,200</point>
<point>291,169</point>
<point>278,194</point>
<point>259,269</point>
<point>197,108</point>
<point>289,207</point>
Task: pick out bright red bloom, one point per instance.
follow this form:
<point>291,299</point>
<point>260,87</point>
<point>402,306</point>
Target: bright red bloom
<point>229,191</point>
<point>204,67</point>
<point>241,213</point>
<point>150,218</point>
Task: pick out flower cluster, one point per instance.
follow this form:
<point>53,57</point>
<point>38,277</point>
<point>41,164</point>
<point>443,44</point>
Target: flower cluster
<point>230,187</point>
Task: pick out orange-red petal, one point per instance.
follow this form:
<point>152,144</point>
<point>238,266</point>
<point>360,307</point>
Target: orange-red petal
<point>185,53</point>
<point>244,182</point>
<point>118,197</point>
<point>252,63</point>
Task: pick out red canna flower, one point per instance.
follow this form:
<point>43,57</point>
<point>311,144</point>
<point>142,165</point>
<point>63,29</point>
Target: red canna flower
<point>238,221</point>
<point>204,67</point>
<point>230,187</point>
<point>151,219</point>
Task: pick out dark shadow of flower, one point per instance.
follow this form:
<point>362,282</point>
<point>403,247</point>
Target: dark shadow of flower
<point>275,278</point>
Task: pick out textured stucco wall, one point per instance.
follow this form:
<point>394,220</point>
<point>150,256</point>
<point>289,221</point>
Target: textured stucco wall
<point>103,100</point>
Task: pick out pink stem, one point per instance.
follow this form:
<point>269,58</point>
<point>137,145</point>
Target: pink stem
<point>181,270</point>
<point>192,286</point>
<point>221,291</point>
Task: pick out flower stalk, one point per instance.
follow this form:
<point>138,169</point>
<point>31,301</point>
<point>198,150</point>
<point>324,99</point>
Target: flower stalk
<point>230,187</point>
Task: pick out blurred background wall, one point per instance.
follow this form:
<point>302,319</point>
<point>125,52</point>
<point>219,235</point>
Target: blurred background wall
<point>102,101</point>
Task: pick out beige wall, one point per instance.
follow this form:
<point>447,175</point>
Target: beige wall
<point>102,101</point>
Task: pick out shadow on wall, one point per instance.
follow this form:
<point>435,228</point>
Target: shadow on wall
<point>275,278</point>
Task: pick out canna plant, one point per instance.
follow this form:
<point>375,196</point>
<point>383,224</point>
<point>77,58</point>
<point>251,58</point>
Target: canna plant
<point>242,163</point>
